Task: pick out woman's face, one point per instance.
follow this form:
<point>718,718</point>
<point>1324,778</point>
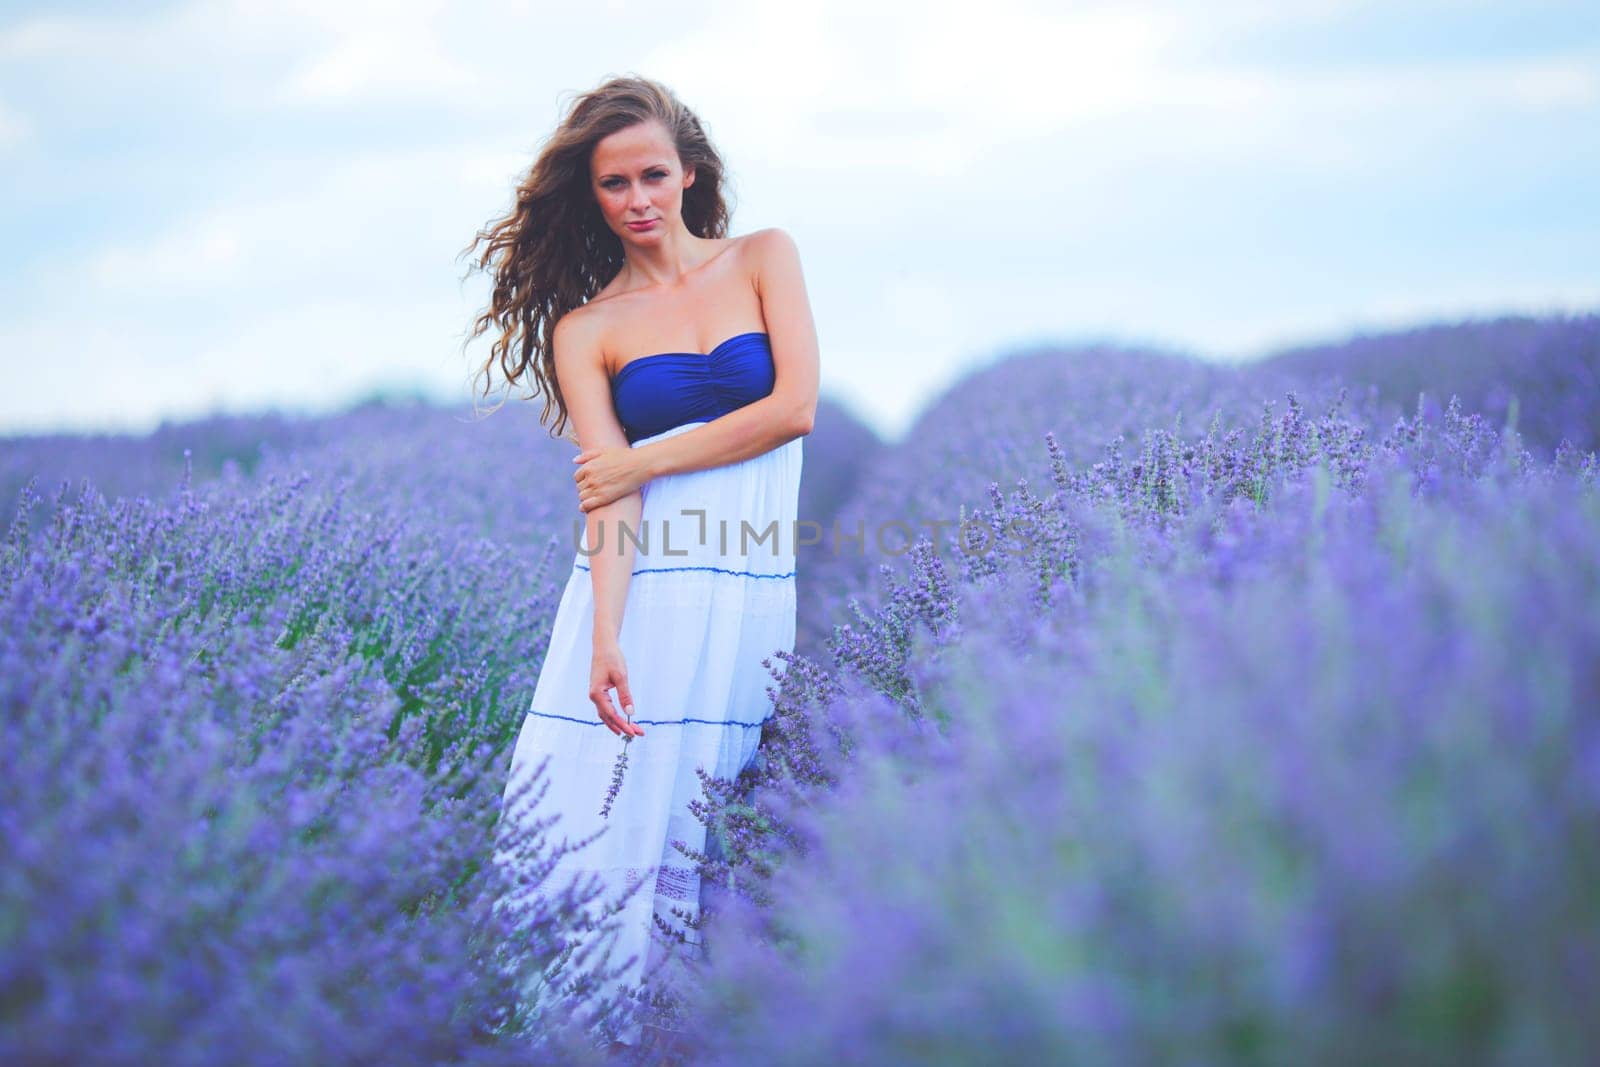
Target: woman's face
<point>637,178</point>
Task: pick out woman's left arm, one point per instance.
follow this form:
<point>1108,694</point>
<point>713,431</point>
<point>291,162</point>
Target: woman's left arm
<point>773,267</point>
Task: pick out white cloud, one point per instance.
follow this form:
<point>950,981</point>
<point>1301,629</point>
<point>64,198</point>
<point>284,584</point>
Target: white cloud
<point>48,36</point>
<point>14,126</point>
<point>934,89</point>
<point>1558,83</point>
<point>199,252</point>
<point>376,51</point>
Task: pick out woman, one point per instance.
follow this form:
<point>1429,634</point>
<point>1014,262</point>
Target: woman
<point>687,363</point>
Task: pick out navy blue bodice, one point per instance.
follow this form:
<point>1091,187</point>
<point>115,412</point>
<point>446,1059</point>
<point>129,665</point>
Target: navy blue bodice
<point>653,394</point>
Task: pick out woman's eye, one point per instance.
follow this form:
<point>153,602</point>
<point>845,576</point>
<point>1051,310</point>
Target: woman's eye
<point>612,183</point>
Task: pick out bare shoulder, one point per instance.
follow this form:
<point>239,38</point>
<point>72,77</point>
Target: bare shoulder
<point>761,246</point>
<point>769,253</point>
<point>730,253</point>
<point>590,321</point>
<point>577,334</point>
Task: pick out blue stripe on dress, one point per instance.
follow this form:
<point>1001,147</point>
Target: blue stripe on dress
<point>719,570</point>
<point>645,722</point>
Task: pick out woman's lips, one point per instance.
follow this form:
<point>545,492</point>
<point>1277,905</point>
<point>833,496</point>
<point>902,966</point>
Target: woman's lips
<point>645,225</point>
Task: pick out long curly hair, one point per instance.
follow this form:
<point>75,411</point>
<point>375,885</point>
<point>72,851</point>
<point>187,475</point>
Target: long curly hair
<point>553,251</point>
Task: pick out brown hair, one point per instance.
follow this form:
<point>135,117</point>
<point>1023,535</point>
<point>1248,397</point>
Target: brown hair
<point>553,251</point>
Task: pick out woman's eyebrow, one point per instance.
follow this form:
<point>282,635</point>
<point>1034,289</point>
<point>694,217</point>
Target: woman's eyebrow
<point>648,166</point>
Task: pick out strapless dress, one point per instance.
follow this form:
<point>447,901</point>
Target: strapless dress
<point>707,602</point>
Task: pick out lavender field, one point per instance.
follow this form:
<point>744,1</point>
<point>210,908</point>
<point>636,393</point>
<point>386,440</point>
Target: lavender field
<point>1210,715</point>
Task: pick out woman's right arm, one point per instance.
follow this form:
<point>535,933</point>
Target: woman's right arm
<point>586,389</point>
<point>609,568</point>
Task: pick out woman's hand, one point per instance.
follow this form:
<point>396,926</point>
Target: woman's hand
<point>607,474</point>
<point>607,671</point>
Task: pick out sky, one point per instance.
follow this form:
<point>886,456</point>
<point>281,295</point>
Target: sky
<point>236,205</point>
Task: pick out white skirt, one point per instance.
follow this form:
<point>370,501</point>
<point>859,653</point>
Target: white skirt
<point>711,595</point>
